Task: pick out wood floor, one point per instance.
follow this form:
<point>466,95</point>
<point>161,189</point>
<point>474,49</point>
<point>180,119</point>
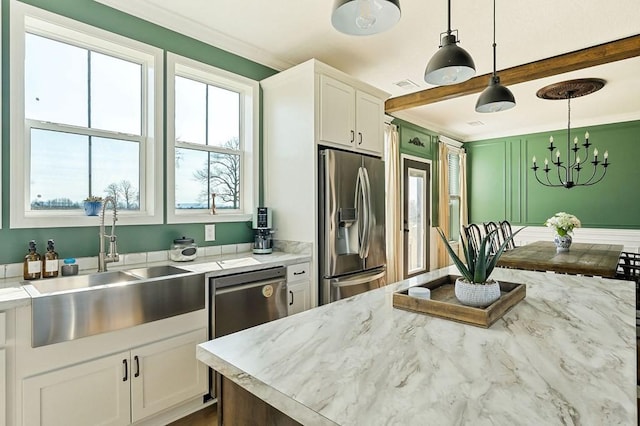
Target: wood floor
<point>206,417</point>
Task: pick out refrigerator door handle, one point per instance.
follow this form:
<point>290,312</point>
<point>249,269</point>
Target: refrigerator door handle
<point>369,207</point>
<point>360,199</point>
<point>342,282</point>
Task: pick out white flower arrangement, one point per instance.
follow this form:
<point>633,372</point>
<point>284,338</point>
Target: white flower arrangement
<point>563,223</point>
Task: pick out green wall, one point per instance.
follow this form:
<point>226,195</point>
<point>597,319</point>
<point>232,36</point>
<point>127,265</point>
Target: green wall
<point>503,186</point>
<point>80,242</point>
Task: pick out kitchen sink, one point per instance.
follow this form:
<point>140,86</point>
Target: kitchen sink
<point>78,282</point>
<point>68,308</point>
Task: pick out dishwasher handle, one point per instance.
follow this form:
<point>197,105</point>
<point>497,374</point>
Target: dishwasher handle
<point>255,284</point>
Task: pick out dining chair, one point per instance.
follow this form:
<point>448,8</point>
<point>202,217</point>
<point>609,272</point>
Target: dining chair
<point>498,237</point>
<point>505,226</point>
<point>629,266</point>
<point>473,234</point>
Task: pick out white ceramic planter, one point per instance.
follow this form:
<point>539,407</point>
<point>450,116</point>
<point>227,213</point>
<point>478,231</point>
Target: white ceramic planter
<point>477,295</point>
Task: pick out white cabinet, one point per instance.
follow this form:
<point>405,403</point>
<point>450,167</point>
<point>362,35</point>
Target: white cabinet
<point>350,118</point>
<point>94,392</point>
<point>298,288</point>
<point>166,373</point>
<point>118,389</point>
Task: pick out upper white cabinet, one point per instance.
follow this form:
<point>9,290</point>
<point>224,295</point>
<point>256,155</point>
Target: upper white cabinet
<point>350,118</point>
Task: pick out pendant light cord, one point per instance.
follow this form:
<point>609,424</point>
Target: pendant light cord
<point>449,17</point>
<point>494,38</point>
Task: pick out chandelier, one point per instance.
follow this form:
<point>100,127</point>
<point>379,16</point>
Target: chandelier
<point>568,171</point>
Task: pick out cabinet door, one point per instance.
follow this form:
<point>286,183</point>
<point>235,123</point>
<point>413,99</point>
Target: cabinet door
<point>91,393</point>
<point>166,373</point>
<point>299,294</point>
<point>337,112</point>
<point>369,123</point>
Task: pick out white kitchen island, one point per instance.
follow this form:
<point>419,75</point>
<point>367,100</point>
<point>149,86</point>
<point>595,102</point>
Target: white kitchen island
<point>566,354</point>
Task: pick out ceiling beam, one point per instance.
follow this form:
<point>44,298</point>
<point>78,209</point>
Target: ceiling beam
<point>589,57</point>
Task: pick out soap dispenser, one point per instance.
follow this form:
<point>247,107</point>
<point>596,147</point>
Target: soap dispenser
<point>50,262</point>
<point>32,267</point>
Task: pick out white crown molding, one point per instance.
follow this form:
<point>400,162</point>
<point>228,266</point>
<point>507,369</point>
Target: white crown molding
<point>158,15</point>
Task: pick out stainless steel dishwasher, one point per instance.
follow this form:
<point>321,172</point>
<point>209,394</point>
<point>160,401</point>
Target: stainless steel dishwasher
<point>247,299</point>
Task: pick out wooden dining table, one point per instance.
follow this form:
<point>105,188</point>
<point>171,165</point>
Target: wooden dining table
<point>581,259</point>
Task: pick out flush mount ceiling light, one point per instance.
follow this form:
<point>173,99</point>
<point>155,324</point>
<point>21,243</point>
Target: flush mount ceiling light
<point>451,64</point>
<point>569,170</point>
<point>365,17</point>
<point>495,97</point>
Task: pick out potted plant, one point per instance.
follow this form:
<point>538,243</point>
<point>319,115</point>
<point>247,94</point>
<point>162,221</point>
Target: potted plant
<point>92,205</point>
<point>475,288</point>
<point>563,223</point>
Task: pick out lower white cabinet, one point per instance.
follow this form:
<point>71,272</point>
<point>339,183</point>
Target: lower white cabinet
<point>298,288</point>
<point>118,389</point>
<point>299,297</point>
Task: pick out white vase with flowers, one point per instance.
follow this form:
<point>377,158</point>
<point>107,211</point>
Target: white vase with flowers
<point>563,225</point>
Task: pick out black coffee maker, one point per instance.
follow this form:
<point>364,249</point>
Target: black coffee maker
<point>262,223</point>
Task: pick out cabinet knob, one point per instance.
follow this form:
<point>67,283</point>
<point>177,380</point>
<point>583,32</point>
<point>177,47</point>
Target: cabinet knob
<point>299,273</point>
<point>126,370</point>
<point>291,293</point>
<point>360,136</point>
<point>353,136</point>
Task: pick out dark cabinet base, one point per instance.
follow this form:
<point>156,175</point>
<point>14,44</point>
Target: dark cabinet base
<point>237,407</point>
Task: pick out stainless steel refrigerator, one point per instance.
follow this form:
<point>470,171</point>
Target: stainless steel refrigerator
<point>351,218</point>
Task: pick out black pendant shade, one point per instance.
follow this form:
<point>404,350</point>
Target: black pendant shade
<point>365,17</point>
<point>451,64</point>
<point>495,97</point>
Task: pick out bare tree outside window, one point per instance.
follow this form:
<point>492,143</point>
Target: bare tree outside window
<point>221,176</point>
<point>126,194</point>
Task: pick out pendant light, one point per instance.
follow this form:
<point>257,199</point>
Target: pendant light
<point>495,97</point>
<point>365,17</point>
<point>451,64</point>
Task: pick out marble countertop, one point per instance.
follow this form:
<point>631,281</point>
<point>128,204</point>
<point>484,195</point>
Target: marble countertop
<point>566,354</point>
<point>12,295</point>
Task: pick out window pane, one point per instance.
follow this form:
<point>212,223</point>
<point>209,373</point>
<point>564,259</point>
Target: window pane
<point>199,173</point>
<point>416,220</point>
<point>55,81</point>
<point>225,180</point>
<point>59,170</point>
<point>454,174</point>
<point>115,166</point>
<point>116,94</point>
<point>454,219</point>
<point>192,179</point>
<point>190,110</point>
<point>224,117</point>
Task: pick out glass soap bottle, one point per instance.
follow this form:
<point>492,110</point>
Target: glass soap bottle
<point>50,262</point>
<point>32,267</point>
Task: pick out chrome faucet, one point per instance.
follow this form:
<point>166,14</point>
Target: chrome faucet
<point>112,256</point>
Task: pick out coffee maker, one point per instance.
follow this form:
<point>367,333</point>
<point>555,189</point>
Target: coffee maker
<point>262,223</point>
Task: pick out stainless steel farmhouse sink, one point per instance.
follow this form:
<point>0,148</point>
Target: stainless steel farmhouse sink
<point>69,308</point>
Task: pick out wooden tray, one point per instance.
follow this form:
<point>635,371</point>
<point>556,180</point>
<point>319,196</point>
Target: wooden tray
<point>443,302</point>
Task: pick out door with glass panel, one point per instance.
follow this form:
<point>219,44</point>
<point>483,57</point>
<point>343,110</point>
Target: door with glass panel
<point>416,208</point>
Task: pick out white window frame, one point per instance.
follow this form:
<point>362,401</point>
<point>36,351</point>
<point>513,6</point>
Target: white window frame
<point>249,120</point>
<point>28,18</point>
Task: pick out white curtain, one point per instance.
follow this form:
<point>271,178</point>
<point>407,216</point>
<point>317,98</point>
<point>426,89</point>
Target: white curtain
<point>393,223</point>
